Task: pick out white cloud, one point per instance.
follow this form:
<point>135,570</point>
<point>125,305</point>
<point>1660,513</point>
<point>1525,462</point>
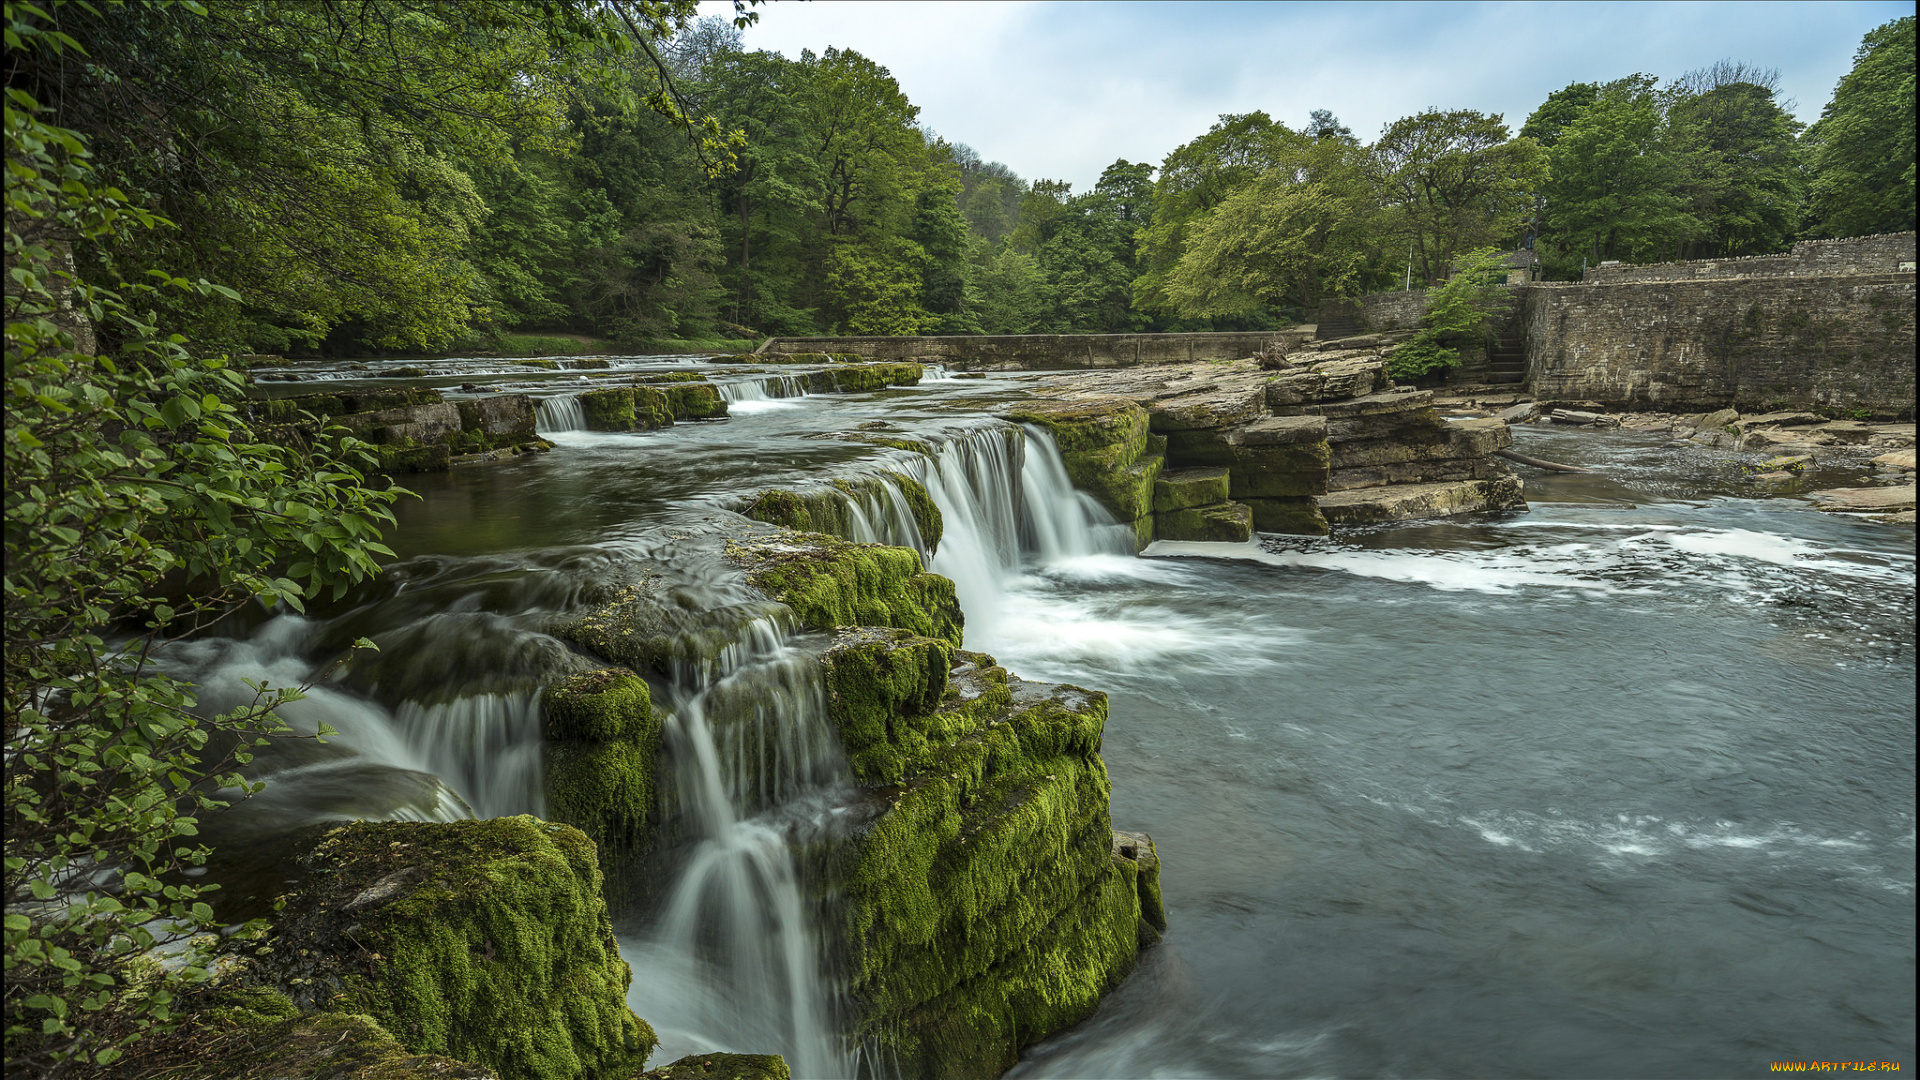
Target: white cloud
<point>1061,90</point>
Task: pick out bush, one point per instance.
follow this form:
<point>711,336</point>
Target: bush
<point>139,507</point>
<point>1460,312</point>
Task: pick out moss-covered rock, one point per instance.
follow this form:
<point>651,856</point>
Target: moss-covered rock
<point>830,511</point>
<point>539,362</point>
<point>695,401</point>
<point>483,940</point>
<point>831,583</point>
<point>854,378</point>
<point>1224,523</point>
<point>627,408</point>
<point>1103,443</point>
<point>1299,516</point>
<point>984,903</point>
<point>1181,489</point>
<point>602,738</point>
<point>723,1067</point>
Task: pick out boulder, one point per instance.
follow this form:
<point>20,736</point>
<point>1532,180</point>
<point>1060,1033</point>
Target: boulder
<point>601,738</point>
<point>1717,420</point>
<point>831,583</point>
<point>1181,489</point>
<point>486,941</point>
<point>1523,413</point>
<point>1579,418</point>
<point>984,901</point>
<point>1226,523</point>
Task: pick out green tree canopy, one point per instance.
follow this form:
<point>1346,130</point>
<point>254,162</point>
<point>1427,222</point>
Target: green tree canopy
<point>1861,152</point>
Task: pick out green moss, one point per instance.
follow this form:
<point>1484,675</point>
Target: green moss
<point>1089,424</point>
<point>830,512</point>
<point>830,583</point>
<point>602,739</point>
<point>408,456</point>
<point>400,373</point>
<point>984,905</point>
<point>539,362</point>
<point>672,377</point>
<point>608,410</point>
<point>813,511</point>
<point>652,408</point>
<point>1224,523</point>
<point>695,401</point>
<point>484,940</point>
<point>1181,489</point>
<point>723,1067</point>
<point>863,377</point>
<point>882,685</point>
<point>1299,516</point>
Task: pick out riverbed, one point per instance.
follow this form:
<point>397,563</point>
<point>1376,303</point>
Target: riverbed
<point>1622,786</point>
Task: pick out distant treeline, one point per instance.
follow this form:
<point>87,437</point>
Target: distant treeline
<point>407,174</point>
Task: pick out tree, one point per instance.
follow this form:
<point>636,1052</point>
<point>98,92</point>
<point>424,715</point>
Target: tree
<point>1741,170</point>
<point>140,505</point>
<point>1300,232</point>
<point>1194,179</point>
<point>1454,181</point>
<point>1615,191</point>
<point>1861,151</point>
<point>1558,112</point>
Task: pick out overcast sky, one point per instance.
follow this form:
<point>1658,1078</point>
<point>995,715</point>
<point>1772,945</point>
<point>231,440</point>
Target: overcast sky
<point>1060,90</point>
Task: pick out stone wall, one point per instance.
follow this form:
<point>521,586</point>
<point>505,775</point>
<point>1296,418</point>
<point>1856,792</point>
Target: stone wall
<point>1844,344</point>
<point>1393,310</point>
<point>1887,253</point>
<point>1045,352</point>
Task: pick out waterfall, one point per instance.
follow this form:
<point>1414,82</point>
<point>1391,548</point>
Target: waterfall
<point>761,393</point>
<point>1003,495</point>
<point>561,413</point>
<point>934,373</point>
<point>734,960</point>
<point>487,748</point>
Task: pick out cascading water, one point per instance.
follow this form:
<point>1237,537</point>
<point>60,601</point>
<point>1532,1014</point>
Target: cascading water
<point>486,747</point>
<point>763,392</point>
<point>560,413</point>
<point>734,961</point>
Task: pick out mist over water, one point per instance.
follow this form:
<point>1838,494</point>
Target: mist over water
<point>1586,791</point>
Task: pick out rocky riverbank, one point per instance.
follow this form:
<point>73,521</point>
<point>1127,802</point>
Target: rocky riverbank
<point>1841,465</point>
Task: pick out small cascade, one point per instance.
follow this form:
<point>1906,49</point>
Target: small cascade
<point>560,413</point>
<point>878,514</point>
<point>486,748</point>
<point>935,373</point>
<point>734,961</point>
<point>759,393</point>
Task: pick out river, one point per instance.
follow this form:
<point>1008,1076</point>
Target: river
<point>1623,786</point>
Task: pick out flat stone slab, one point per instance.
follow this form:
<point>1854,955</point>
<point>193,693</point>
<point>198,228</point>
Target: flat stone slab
<point>1883,499</point>
<point>1221,523</point>
<point>1367,405</point>
<point>1899,459</point>
<point>1280,431</point>
<point>1781,419</point>
<point>1207,409</point>
<point>1403,502</point>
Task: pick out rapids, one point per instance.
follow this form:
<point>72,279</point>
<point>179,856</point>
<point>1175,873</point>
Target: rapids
<point>1621,789</point>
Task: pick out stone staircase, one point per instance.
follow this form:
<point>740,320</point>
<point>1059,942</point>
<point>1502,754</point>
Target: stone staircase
<point>1507,357</point>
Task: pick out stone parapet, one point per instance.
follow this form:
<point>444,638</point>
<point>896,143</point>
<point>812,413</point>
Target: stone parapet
<point>1046,352</point>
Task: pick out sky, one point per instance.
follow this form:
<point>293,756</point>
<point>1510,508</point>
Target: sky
<point>1061,90</point>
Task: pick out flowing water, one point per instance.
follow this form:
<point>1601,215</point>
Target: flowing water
<point>1623,786</point>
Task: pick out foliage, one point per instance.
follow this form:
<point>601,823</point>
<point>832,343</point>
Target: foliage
<point>1454,181</point>
<point>1862,149</point>
<point>1460,311</point>
<point>140,505</point>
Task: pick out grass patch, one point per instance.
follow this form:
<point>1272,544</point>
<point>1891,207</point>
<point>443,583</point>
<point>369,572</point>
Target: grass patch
<point>549,345</point>
<point>672,346</point>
